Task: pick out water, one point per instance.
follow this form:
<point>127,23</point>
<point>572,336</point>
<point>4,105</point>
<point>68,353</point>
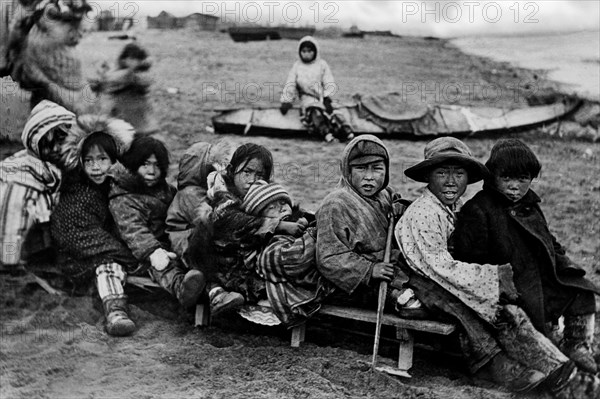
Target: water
<point>571,59</point>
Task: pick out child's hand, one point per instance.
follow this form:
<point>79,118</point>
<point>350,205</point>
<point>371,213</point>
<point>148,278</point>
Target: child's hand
<point>303,222</point>
<point>160,259</point>
<point>291,228</point>
<point>383,271</point>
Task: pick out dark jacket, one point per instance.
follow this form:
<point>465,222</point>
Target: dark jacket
<point>84,231</point>
<point>140,212</point>
<point>492,229</point>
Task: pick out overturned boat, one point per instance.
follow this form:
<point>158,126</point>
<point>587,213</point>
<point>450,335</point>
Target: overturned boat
<point>385,116</point>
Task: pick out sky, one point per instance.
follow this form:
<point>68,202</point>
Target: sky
<point>436,18</point>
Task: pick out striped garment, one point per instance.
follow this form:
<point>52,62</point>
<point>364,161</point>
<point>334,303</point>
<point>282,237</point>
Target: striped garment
<point>20,208</point>
<point>29,185</point>
<point>110,279</point>
<point>294,286</point>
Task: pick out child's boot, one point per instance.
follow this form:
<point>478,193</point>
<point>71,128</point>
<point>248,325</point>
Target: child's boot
<point>118,322</point>
<point>186,287</point>
<point>221,300</point>
<point>578,339</point>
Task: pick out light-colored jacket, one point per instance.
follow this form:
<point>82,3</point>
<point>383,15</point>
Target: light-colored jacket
<point>422,234</point>
<point>310,82</point>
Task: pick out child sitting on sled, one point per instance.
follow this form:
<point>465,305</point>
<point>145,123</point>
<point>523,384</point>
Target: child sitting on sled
<point>287,263</point>
<point>311,80</point>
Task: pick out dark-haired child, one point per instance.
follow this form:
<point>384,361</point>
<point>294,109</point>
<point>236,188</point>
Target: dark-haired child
<point>233,231</point>
<point>311,80</point>
<point>29,183</point>
<point>504,223</point>
<point>83,229</point>
<point>139,199</point>
<point>124,90</point>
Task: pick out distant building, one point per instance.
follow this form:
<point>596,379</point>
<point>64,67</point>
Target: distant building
<point>164,20</point>
<point>195,21</point>
<point>201,22</point>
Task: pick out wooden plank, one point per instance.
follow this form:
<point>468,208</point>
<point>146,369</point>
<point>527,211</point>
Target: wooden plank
<point>370,316</point>
<point>298,334</point>
<point>201,317</point>
<point>142,282</point>
<point>405,352</point>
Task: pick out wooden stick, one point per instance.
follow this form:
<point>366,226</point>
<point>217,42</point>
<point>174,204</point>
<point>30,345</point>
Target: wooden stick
<point>382,290</point>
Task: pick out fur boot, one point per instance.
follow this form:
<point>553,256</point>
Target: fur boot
<point>118,322</point>
<point>578,340</point>
<point>186,287</point>
<point>511,374</point>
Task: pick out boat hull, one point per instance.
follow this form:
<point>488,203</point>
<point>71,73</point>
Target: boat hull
<point>443,120</point>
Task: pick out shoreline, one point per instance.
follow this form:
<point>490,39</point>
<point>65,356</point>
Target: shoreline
<point>579,76</point>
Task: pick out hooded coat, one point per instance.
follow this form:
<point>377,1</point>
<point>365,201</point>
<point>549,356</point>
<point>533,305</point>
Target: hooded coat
<point>140,212</point>
<point>352,229</point>
<point>311,81</point>
<point>189,207</point>
<point>29,186</point>
<point>493,229</point>
<point>82,226</point>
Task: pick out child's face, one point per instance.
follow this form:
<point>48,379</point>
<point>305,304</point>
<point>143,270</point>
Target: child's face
<point>514,188</point>
<point>448,183</point>
<point>50,145</point>
<point>279,209</point>
<point>245,177</point>
<point>368,179</point>
<point>150,172</point>
<point>96,164</point>
<point>307,54</point>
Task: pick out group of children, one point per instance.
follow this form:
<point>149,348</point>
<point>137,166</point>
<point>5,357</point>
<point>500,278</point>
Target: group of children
<point>94,190</point>
<point>97,192</point>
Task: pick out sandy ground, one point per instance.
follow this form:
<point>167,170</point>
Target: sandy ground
<point>55,347</point>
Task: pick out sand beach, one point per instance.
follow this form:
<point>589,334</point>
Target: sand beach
<point>55,346</point>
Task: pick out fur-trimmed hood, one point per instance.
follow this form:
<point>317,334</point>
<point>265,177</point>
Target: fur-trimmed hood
<point>121,131</point>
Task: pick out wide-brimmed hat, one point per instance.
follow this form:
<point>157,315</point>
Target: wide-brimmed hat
<point>447,150</point>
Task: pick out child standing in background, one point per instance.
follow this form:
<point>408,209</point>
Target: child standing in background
<point>311,80</point>
<point>124,90</point>
<point>504,223</point>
